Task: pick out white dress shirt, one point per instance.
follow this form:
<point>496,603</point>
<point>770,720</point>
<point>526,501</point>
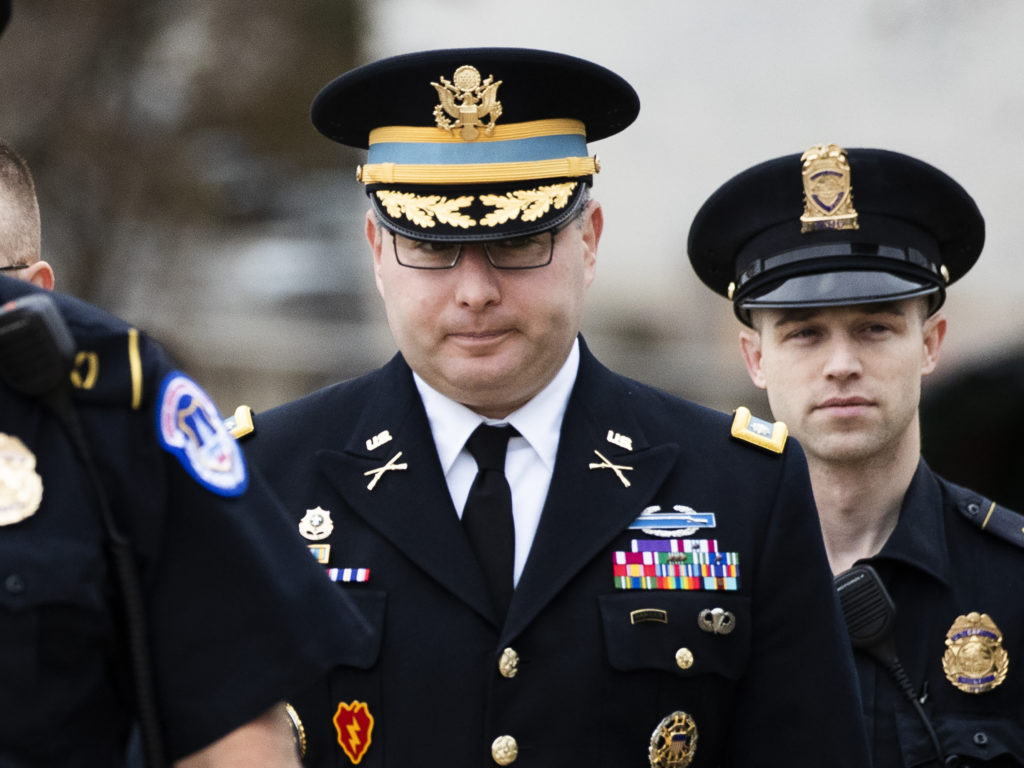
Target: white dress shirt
<point>530,460</point>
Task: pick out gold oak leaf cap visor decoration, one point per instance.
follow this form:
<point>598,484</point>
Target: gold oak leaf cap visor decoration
<point>835,227</point>
<point>475,144</point>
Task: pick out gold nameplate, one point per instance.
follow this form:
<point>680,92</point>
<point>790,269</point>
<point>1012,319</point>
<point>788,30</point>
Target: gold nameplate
<point>21,487</point>
<point>674,742</point>
<point>975,660</point>
<point>828,193</point>
<point>469,100</point>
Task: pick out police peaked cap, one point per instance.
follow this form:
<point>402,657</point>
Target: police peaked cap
<point>793,232</point>
<point>476,143</point>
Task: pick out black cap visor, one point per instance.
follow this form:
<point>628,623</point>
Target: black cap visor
<point>837,289</point>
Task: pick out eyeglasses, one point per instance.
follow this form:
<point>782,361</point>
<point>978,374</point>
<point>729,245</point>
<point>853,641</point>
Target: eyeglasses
<point>530,252</point>
<point>13,266</point>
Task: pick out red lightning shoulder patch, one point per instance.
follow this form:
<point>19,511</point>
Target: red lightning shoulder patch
<point>354,725</point>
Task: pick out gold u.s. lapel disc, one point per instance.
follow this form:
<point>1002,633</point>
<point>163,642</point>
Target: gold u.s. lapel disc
<point>674,741</point>
<point>21,487</point>
<point>975,660</point>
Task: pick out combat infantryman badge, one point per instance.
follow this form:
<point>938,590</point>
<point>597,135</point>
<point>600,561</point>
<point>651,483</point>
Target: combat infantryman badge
<point>975,660</point>
<point>828,194</point>
<point>674,742</point>
<point>354,725</point>
<point>21,487</point>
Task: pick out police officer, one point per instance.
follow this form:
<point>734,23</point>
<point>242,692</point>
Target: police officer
<point>837,264</point>
<point>217,630</point>
<point>562,566</point>
<point>20,229</point>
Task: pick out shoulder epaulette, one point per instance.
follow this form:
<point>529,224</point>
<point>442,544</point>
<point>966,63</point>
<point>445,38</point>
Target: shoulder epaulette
<point>765,434</point>
<point>239,424</point>
<point>989,516</point>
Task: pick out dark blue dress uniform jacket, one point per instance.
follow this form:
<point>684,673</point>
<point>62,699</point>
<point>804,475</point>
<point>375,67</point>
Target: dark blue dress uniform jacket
<point>591,686</point>
<point>232,628</point>
<point>938,565</point>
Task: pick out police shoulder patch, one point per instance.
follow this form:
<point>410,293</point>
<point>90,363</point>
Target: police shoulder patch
<point>190,428</point>
<point>765,434</point>
<point>239,424</point>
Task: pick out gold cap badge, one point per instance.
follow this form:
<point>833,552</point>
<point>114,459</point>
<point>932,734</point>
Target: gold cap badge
<point>21,487</point>
<point>828,194</point>
<point>469,100</point>
<point>674,741</point>
<point>975,660</point>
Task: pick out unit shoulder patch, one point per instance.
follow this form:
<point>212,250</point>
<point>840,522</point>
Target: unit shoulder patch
<point>764,434</point>
<point>239,424</point>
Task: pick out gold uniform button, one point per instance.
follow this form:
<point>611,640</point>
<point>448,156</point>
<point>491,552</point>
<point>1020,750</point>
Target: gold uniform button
<point>504,750</point>
<point>508,664</point>
<point>684,658</point>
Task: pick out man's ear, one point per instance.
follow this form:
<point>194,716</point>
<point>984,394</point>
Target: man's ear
<point>375,237</point>
<point>750,346</point>
<point>934,331</point>
<point>41,274</point>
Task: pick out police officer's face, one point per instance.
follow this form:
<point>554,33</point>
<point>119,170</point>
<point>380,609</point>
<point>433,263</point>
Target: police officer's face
<point>487,338</point>
<point>846,380</point>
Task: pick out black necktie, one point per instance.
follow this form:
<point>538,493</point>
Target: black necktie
<point>487,516</point>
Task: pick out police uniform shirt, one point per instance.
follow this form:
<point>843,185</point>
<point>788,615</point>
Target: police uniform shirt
<point>940,568</point>
<point>531,456</point>
<point>237,613</point>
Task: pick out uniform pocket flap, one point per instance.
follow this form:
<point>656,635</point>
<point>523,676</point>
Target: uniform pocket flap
<point>698,633</point>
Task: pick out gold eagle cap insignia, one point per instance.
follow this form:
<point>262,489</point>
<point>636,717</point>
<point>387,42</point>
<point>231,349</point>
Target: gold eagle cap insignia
<point>828,192</point>
<point>468,99</point>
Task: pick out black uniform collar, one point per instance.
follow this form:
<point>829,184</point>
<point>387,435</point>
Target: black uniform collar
<point>919,538</point>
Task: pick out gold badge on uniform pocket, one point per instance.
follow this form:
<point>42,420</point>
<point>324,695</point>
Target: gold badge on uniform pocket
<point>674,741</point>
<point>21,487</point>
<point>975,660</point>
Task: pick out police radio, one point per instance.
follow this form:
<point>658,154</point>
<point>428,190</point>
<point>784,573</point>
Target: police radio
<point>37,352</point>
<point>870,615</point>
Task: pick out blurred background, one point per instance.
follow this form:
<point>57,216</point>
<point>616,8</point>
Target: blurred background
<point>183,187</point>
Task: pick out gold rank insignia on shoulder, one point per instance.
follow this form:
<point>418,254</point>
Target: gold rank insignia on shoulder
<point>828,192</point>
<point>767,435</point>
<point>674,741</point>
<point>21,487</point>
<point>239,424</point>
<point>469,100</point>
<point>975,660</point>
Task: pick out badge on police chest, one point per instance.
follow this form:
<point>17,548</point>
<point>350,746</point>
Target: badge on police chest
<point>975,660</point>
<point>21,487</point>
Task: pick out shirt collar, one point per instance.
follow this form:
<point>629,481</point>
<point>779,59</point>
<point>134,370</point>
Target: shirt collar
<point>539,421</point>
<point>919,538</point>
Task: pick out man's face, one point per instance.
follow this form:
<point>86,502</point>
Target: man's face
<point>846,380</point>
<point>487,338</point>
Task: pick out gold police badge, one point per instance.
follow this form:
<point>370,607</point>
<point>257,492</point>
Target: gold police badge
<point>975,660</point>
<point>21,487</point>
<point>828,194</point>
<point>674,741</point>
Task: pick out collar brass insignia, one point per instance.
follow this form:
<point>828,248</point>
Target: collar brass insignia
<point>828,194</point>
<point>469,100</point>
<point>975,660</point>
